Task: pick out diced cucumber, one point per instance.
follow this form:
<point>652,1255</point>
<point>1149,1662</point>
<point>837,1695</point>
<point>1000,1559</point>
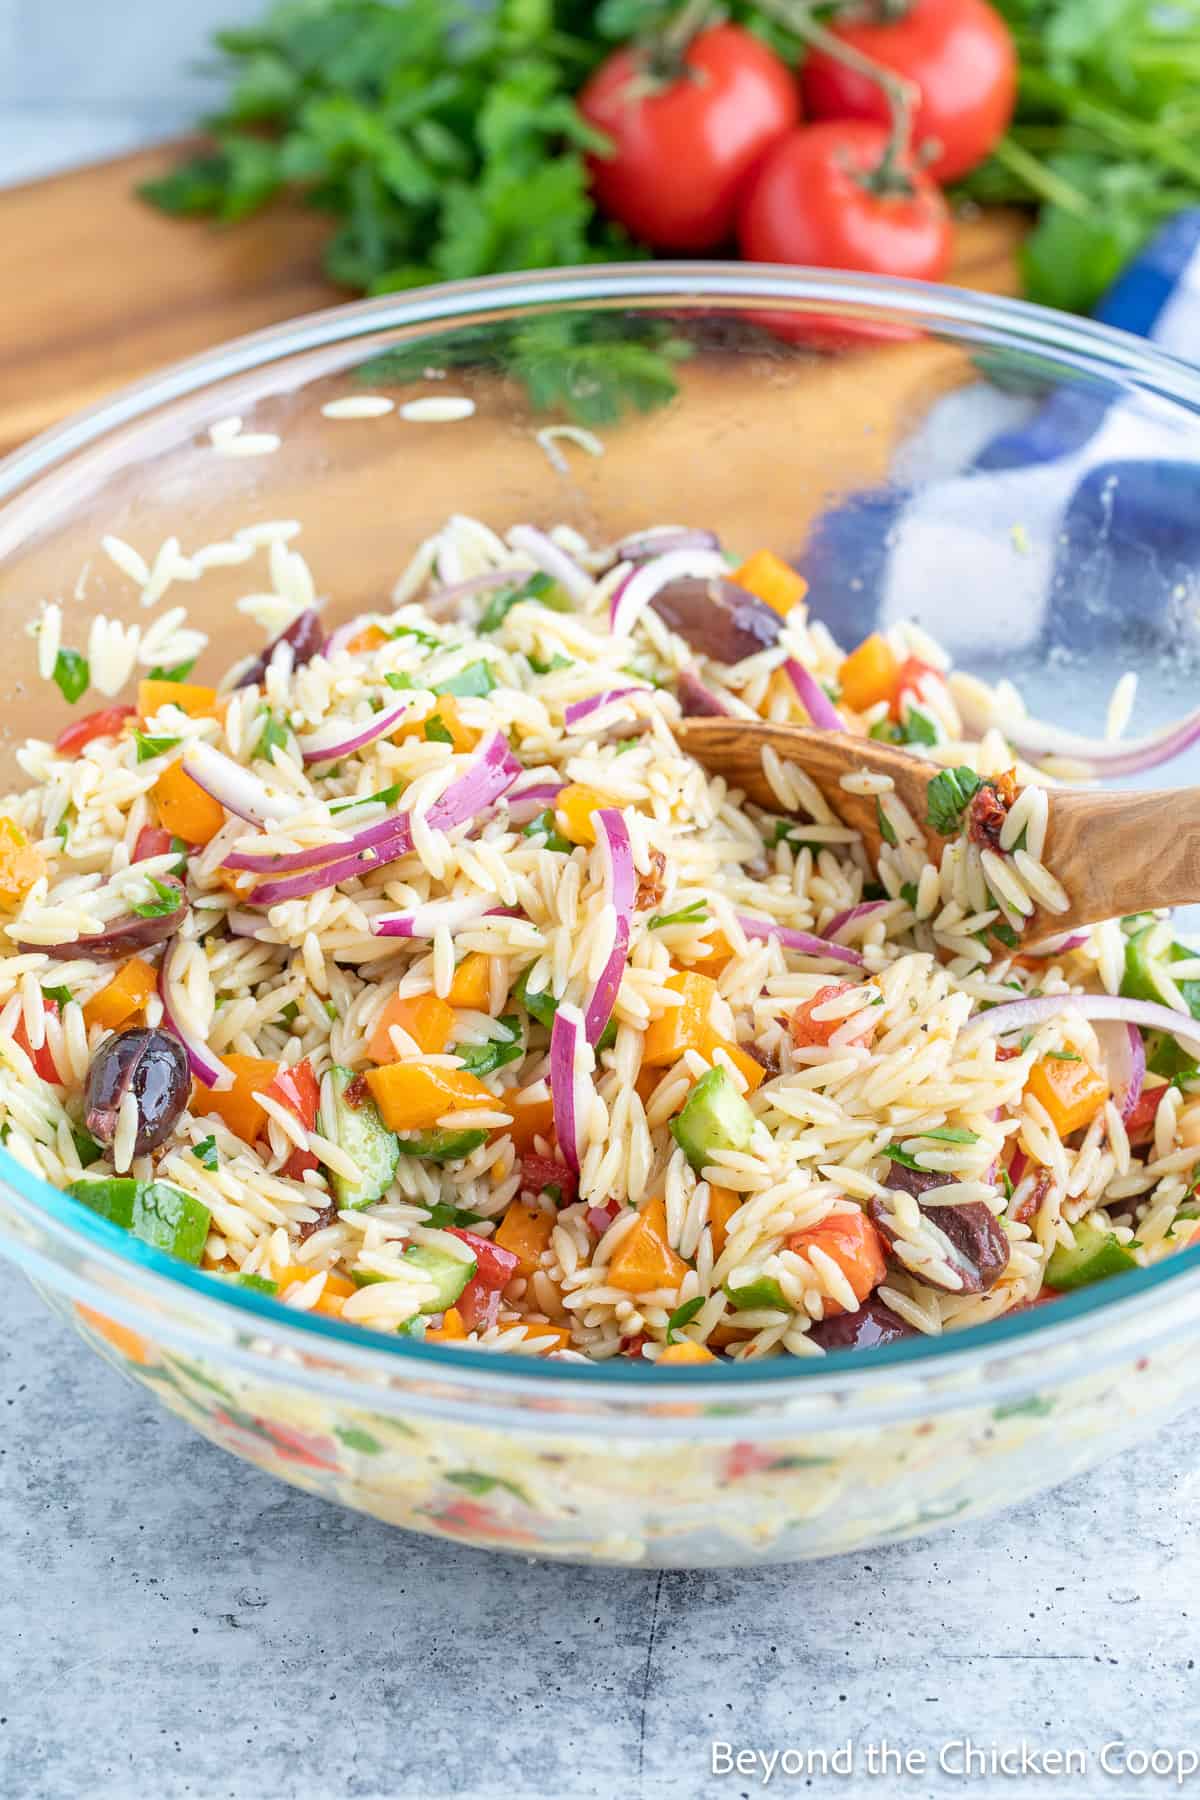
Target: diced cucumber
<point>450,1274</point>
<point>441,1146</point>
<point>362,1134</point>
<point>157,1212</point>
<point>1095,1254</point>
<point>715,1117</point>
<point>1165,1056</point>
<point>764,1290</point>
<point>1140,980</point>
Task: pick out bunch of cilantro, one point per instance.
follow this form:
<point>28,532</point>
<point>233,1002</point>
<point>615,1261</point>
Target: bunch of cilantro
<point>1106,140</point>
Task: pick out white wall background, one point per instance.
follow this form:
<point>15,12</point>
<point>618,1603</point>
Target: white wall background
<point>88,78</point>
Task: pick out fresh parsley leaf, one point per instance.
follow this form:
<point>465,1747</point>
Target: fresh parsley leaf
<point>607,1038</point>
<point>61,994</point>
<point>917,727</point>
<point>1062,1056</point>
<point>72,674</point>
<point>169,900</point>
<point>548,668</point>
<point>541,1007</point>
<point>426,639</point>
<point>483,1059</point>
<point>442,1214</point>
<point>947,798</point>
<point>179,672</point>
<point>475,682</point>
<point>1006,1184</point>
<point>290,1013</point>
<point>898,1155</point>
<point>205,1152</point>
<point>150,747</point>
<point>543,826</point>
<point>1003,932</point>
<point>683,1315</point>
<point>539,587</point>
<point>887,830</point>
<point>400,681</point>
<point>436,732</point>
<point>695,914</point>
<point>951,1134</point>
<point>86,1147</point>
<point>884,731</point>
<point>908,893</point>
<point>475,1483</point>
<point>385,797</point>
<point>273,736</point>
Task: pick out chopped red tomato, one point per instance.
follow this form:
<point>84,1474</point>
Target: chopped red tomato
<point>807,1031</point>
<point>299,1163</point>
<point>151,840</point>
<point>298,1089</point>
<point>540,1172</point>
<point>41,1059</point>
<point>478,1306</point>
<point>908,684</point>
<point>494,1266</point>
<point>108,723</point>
<point>1140,1124</point>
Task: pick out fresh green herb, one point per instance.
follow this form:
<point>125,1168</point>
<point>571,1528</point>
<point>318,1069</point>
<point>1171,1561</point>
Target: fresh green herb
<point>400,681</point>
<point>169,899</point>
<point>179,672</point>
<point>948,796</point>
<point>426,639</point>
<point>540,587</point>
<point>683,1315</point>
<point>205,1152</point>
<point>62,994</point>
<point>1026,1040</point>
<point>436,732</point>
<point>541,1007</point>
<point>624,744</point>
<point>874,890</point>
<point>290,1013</point>
<point>475,682</point>
<point>607,1038</point>
<point>1003,932</point>
<point>548,668</point>
<point>72,674</point>
<point>441,1214</point>
<point>543,826</point>
<point>1006,1184</point>
<point>150,747</point>
<point>902,1156</point>
<point>484,1059</point>
<point>273,736</point>
<point>385,797</point>
<point>951,1134</point>
<point>62,829</point>
<point>695,914</point>
<point>918,727</point>
<point>331,1011</point>
<point>1062,1056</point>
<point>884,731</point>
<point>886,829</point>
<point>908,893</point>
<point>86,1148</point>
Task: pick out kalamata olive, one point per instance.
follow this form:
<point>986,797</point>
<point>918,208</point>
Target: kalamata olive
<point>697,701</point>
<point>915,1181</point>
<point>979,1248</point>
<point>873,1324</point>
<point>717,617</point>
<point>130,933</point>
<point>150,1064</point>
<point>305,636</point>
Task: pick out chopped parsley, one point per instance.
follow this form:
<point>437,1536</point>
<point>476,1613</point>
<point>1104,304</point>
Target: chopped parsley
<point>908,893</point>
<point>61,994</point>
<point>72,674</point>
<point>205,1152</point>
<point>441,1214</point>
<point>180,672</point>
<point>557,661</point>
<point>400,680</point>
<point>86,1147</point>
<point>543,826</point>
<point>695,914</point>
<point>290,1013</point>
<point>886,829</point>
<point>948,796</point>
<point>541,1007</point>
<point>896,1154</point>
<point>1004,933</point>
<point>918,728</point>
<point>274,736</point>
<point>168,900</point>
<point>150,747</point>
<point>475,682</point>
<point>683,1315</point>
<point>436,731</point>
<point>540,587</point>
<point>485,1059</point>
<point>426,639</point>
<point>385,797</point>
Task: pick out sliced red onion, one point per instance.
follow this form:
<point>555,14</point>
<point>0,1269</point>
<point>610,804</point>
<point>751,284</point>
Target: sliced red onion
<point>425,920</point>
<point>813,698</point>
<point>863,911</point>
<point>1036,740</point>
<point>447,598</point>
<point>1125,1063</point>
<point>205,1066</point>
<point>531,801</point>
<point>1060,945</point>
<point>237,790</point>
<point>242,924</point>
<point>490,775</point>
<point>698,701</point>
<point>1018,1166</point>
<point>802,941</point>
<point>582,709</point>
<point>620,880</point>
<point>278,863</point>
<point>314,751</point>
<point>1021,1014</point>
<point>657,543</point>
<point>565,1035</point>
<point>303,640</point>
<point>638,589</point>
<point>337,640</point>
<point>552,561</point>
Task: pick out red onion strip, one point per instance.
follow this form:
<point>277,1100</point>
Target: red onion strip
<point>530,801</point>
<point>581,709</point>
<point>237,790</point>
<point>853,913</point>
<point>1022,1014</point>
<point>698,701</point>
<point>360,736</point>
<point>813,698</point>
<point>1037,740</point>
<point>1125,1062</point>
<point>565,1034</point>
<point>424,921</point>
<point>801,941</point>
<point>657,543</point>
<point>612,840</point>
<point>552,561</point>
<point>206,1067</point>
<point>638,589</point>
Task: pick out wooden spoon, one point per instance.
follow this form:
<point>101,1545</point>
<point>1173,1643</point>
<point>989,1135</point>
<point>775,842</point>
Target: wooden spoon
<point>1113,853</point>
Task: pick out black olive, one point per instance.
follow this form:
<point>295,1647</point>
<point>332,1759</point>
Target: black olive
<point>980,1249</point>
<point>305,636</point>
<point>872,1325</point>
<point>150,1064</point>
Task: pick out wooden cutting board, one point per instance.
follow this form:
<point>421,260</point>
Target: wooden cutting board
<point>100,289</point>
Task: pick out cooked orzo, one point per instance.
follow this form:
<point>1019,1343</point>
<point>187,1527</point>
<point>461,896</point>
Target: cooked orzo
<point>413,974</point>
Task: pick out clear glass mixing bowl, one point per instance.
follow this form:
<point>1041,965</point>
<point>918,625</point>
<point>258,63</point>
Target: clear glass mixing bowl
<point>913,449</point>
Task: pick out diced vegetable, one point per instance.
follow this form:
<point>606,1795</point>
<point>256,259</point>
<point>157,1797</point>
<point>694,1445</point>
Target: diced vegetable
<point>298,1089</point>
<point>426,1019</point>
<point>854,1244</point>
<point>763,1291</point>
<point>524,1232</point>
<point>547,1337</point>
<point>107,723</point>
<point>869,673</point>
<point>495,1265</point>
<point>531,1118</point>
<point>450,1331</point>
<point>450,1274</point>
<point>1140,978</point>
<point>722,1204</point>
<point>411,1096</point>
<point>644,1259</point>
<point>683,1027</point>
<point>155,1211</point>
<point>471,985</point>
<point>123,997</point>
<point>752,1072</point>
<point>238,1104</point>
<point>807,1031</point>
<point>357,1128</point>
<point>197,702</point>
<point>21,863</point>
<point>685,1351</point>
<point>909,677</point>
<point>371,637</point>
<point>771,579</point>
<point>714,1117</point>
<point>1095,1254</point>
<point>184,809</point>
<point>41,1058</point>
<point>443,725</point>
<point>574,810</point>
<point>441,1146</point>
<point>1071,1092</point>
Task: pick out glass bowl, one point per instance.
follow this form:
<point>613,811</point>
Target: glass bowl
<point>913,449</point>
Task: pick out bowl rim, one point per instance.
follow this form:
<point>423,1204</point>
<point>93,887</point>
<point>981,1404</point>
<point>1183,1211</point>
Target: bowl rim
<point>1093,349</point>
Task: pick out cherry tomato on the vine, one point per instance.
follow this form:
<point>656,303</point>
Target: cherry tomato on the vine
<point>684,144</point>
<point>958,53</point>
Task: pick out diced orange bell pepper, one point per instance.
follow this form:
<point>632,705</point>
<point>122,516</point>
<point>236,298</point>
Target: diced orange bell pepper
<point>236,881</point>
<point>472,982</point>
<point>525,1231</point>
<point>411,1097</point>
<point>450,1331</point>
<point>547,1337</point>
<point>727,1333</point>
<point>530,1119</point>
<point>125,995</point>
<point>722,1204</point>
<point>238,1105</point>
<point>768,576</point>
<point>685,1350</point>
<point>184,809</point>
<point>333,1296</point>
<point>428,1021</point>
<point>21,863</point>
<point>854,1244</point>
<point>644,1259</point>
<point>196,701</point>
<point>371,637</point>
<point>869,673</point>
<point>574,810</point>
<point>1071,1092</point>
<point>447,715</point>
<point>752,1072</point>
<point>718,952</point>
<point>683,1027</point>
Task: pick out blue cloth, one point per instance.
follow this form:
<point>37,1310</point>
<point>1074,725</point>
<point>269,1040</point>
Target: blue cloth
<point>1015,520</point>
